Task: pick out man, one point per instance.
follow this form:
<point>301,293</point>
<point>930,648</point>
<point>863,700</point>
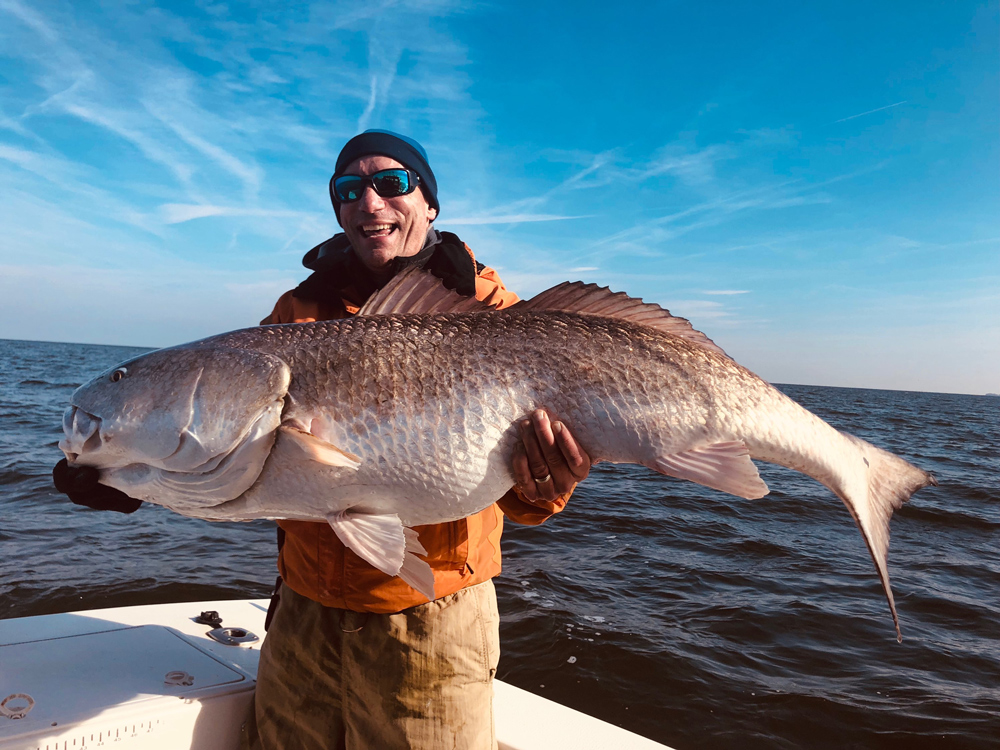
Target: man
<point>355,658</point>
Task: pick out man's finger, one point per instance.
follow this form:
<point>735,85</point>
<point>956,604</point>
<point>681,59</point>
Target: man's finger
<point>577,459</point>
<point>543,429</point>
<point>534,449</point>
<point>532,437</point>
<point>551,454</point>
<point>522,473</point>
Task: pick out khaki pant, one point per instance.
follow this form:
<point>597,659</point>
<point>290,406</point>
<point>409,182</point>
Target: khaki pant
<point>333,679</point>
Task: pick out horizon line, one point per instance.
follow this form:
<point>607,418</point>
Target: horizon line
<point>769,382</point>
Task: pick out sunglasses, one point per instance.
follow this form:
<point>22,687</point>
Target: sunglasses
<point>388,183</point>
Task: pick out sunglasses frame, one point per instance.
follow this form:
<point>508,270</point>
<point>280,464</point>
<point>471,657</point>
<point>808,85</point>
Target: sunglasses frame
<point>369,181</point>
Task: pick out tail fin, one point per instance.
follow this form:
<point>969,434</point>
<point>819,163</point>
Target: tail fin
<point>891,481</point>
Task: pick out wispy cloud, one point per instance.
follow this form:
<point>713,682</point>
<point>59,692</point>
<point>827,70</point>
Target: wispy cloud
<point>250,175</point>
<point>180,138</point>
<point>370,107</point>
<point>644,238</point>
<point>870,111</point>
<point>694,167</point>
<point>726,291</point>
<point>726,201</point>
<point>509,219</point>
<point>151,147</point>
<point>68,184</point>
<point>30,18</point>
<point>7,123</point>
<point>699,309</point>
<point>176,213</point>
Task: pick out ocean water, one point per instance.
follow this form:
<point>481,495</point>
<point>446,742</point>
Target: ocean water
<point>689,616</point>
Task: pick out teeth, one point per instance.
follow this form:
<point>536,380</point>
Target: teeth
<point>376,228</point>
<point>81,431</point>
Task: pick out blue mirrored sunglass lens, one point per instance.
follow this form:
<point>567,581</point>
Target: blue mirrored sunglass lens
<point>391,182</point>
<point>348,188</point>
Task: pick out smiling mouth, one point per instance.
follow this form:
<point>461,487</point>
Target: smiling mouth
<point>377,230</point>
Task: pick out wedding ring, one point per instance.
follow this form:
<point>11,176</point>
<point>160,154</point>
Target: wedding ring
<point>547,478</point>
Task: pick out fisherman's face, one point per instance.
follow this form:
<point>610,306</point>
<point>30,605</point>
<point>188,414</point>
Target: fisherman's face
<point>381,229</point>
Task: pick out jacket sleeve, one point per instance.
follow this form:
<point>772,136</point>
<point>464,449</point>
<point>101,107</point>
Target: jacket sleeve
<point>289,309</point>
<point>282,312</point>
<point>519,510</point>
<point>490,289</point>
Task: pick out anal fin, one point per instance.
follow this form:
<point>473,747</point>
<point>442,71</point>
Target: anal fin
<point>721,466</point>
<point>383,542</point>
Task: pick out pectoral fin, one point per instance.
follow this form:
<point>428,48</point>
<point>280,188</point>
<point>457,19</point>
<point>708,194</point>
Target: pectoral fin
<point>382,541</point>
<point>721,466</point>
<point>318,449</point>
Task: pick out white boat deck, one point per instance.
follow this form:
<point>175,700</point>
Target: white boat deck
<point>149,677</point>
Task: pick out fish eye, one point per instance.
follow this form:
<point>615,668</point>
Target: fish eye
<point>118,374</point>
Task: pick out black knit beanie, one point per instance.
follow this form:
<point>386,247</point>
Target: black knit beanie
<point>405,150</point>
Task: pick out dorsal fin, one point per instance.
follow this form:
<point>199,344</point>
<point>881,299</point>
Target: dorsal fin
<point>418,291</point>
<point>590,299</point>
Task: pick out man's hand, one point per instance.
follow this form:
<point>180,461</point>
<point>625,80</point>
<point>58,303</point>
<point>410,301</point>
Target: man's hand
<point>80,484</point>
<point>548,462</point>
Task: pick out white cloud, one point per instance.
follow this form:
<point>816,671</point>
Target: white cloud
<point>370,107</point>
<point>30,18</point>
<point>175,213</point>
<point>115,122</point>
<point>251,176</point>
<point>695,309</point>
<point>869,112</point>
<point>508,219</point>
<point>696,168</point>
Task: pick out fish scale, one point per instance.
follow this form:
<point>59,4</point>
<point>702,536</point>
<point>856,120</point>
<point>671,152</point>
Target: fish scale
<point>408,416</point>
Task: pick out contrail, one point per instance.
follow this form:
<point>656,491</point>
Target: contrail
<point>870,111</point>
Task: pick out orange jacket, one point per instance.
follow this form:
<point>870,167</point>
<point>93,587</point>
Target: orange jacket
<point>315,563</point>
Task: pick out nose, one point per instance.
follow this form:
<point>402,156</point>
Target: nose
<point>370,201</point>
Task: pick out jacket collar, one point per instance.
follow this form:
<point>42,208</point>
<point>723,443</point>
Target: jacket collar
<point>338,273</point>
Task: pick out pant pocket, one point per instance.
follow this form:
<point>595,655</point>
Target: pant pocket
<point>488,622</point>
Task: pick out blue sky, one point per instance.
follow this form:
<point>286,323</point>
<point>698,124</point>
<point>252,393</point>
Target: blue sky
<point>817,187</point>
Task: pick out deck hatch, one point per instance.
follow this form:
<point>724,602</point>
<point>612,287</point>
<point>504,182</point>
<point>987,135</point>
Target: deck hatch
<point>77,678</point>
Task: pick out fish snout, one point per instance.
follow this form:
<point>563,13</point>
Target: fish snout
<point>82,433</point>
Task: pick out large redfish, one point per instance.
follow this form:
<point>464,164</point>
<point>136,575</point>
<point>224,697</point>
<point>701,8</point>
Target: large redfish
<point>406,415</point>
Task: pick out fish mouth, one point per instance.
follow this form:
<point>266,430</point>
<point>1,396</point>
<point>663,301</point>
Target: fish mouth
<point>194,488</point>
<point>82,433</point>
<point>83,442</point>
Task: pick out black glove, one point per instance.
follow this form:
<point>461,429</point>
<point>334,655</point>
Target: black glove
<point>80,484</point>
<point>452,264</point>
